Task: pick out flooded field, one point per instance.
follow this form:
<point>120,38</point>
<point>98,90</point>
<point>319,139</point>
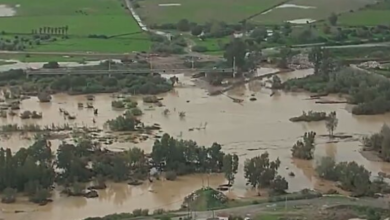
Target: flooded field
<point>247,129</point>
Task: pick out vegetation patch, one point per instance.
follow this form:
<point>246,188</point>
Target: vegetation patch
<point>128,83</point>
<point>310,116</point>
<point>367,91</point>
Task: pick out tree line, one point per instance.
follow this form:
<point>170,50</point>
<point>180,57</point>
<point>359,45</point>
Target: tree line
<point>51,30</point>
<point>129,83</point>
<point>369,92</point>
<point>34,170</point>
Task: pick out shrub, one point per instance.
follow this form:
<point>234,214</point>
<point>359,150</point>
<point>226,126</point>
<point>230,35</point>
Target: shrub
<point>51,65</point>
<point>199,49</point>
<point>170,175</point>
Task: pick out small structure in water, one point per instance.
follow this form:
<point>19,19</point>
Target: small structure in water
<point>95,111</point>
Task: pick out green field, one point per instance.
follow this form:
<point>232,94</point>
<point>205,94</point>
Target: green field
<point>317,10</point>
<point>83,18</point>
<point>378,14</point>
<point>230,11</point>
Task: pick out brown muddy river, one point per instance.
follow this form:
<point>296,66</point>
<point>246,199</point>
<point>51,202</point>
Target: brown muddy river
<point>247,129</point>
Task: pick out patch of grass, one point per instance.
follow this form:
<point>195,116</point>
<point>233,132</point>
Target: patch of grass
<point>45,58</point>
<point>213,45</point>
<point>5,62</point>
<point>370,16</point>
<point>83,18</point>
<point>201,11</point>
<point>116,45</point>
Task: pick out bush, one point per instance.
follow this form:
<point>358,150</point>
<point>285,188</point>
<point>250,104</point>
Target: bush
<point>137,212</point>
<point>122,123</point>
<point>51,65</point>
<point>158,212</point>
<point>199,49</point>
<point>117,104</point>
<point>145,212</point>
<point>170,175</point>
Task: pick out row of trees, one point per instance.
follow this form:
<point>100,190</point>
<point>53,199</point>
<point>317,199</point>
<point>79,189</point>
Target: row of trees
<point>51,30</point>
<point>130,83</point>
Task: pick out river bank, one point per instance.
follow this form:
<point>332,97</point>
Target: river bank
<point>247,129</point>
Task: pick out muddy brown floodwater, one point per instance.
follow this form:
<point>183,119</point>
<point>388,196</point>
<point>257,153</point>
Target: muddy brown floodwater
<point>247,129</point>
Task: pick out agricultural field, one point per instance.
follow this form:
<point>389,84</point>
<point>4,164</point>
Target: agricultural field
<point>201,11</point>
<point>378,14</point>
<point>301,11</point>
<point>78,19</point>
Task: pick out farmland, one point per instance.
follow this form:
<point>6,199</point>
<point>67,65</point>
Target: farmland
<point>305,9</point>
<point>82,18</point>
<point>378,14</point>
<point>201,11</point>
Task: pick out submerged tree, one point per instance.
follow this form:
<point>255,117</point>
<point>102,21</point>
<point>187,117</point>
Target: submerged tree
<point>331,123</point>
<point>260,171</point>
<point>230,166</point>
<point>305,149</point>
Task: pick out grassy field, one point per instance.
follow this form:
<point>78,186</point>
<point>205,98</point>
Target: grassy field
<point>83,18</point>
<point>317,10</point>
<point>45,58</point>
<point>201,11</point>
<point>374,15</point>
<point>213,45</point>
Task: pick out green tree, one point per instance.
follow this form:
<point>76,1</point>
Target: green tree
<point>333,19</point>
<point>259,34</point>
<point>230,166</point>
<point>235,53</point>
<point>305,149</point>
<point>316,56</point>
<point>276,82</point>
<point>285,55</point>
<point>326,169</point>
<point>331,123</point>
<point>9,195</point>
<point>183,25</point>
<point>279,185</point>
<point>196,30</point>
<point>260,171</point>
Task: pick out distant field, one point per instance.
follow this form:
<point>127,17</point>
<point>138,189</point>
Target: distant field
<point>82,17</point>
<point>370,16</point>
<point>201,10</point>
<point>309,9</point>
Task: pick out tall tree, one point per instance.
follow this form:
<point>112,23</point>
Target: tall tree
<point>260,171</point>
<point>305,149</point>
<point>315,56</point>
<point>230,166</point>
<point>333,19</point>
<point>331,123</point>
<point>235,53</point>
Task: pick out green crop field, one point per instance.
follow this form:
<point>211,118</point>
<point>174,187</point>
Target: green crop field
<point>82,18</point>
<point>309,10</point>
<point>378,14</point>
<point>230,11</point>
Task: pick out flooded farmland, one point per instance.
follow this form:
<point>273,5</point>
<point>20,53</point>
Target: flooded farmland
<point>247,129</point>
